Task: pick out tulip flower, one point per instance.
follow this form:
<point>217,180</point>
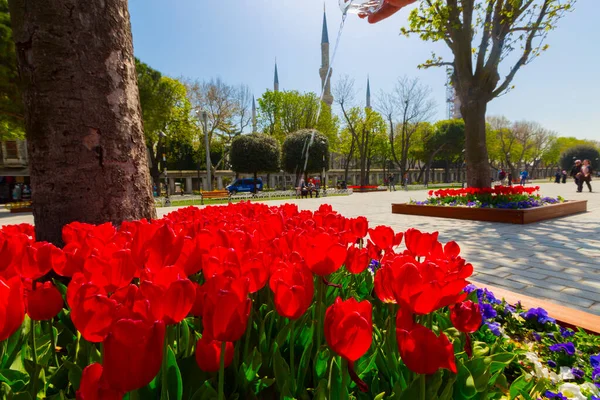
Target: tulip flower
<point>349,327</point>
<point>92,387</point>
<point>113,271</point>
<point>44,302</point>
<point>383,237</point>
<point>92,312</point>
<point>293,287</point>
<point>420,244</point>
<point>170,294</point>
<point>359,227</point>
<point>226,308</point>
<point>133,353</point>
<point>465,316</point>
<point>357,260</point>
<point>12,307</point>
<point>323,255</point>
<point>208,354</point>
<point>423,352</point>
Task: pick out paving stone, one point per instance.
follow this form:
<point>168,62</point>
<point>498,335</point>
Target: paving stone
<point>578,302</point>
<point>594,296</point>
<point>588,285</point>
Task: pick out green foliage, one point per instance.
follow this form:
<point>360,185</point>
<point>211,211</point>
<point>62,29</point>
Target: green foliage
<point>254,153</point>
<point>294,152</point>
<point>281,113</point>
<point>580,152</point>
<point>11,104</point>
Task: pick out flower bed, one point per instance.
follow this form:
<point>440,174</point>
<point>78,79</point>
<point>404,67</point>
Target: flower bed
<point>251,301</point>
<point>501,197</point>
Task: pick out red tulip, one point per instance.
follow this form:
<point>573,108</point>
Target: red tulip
<point>349,327</point>
<point>226,308</point>
<point>323,254</point>
<point>423,352</point>
<point>12,307</point>
<point>92,387</point>
<point>293,287</point>
<point>111,270</point>
<point>382,236</point>
<point>359,226</point>
<point>208,354</point>
<point>131,304</point>
<point>465,316</point>
<point>44,302</point>
<point>38,259</point>
<point>163,249</point>
<point>133,352</point>
<point>418,243</point>
<point>170,294</point>
<point>357,260</point>
<point>92,312</point>
<point>383,284</point>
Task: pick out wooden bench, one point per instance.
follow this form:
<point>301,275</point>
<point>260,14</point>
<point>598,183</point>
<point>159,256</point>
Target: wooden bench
<point>217,194</point>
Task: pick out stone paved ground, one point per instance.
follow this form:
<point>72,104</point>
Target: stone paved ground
<point>557,260</point>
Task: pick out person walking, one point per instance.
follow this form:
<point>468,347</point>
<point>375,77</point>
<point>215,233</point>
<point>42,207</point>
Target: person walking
<point>557,176</point>
<point>406,181</point>
<point>564,176</point>
<point>391,182</point>
<point>502,176</point>
<point>510,179</point>
<point>576,173</point>
<point>523,175</point>
<point>585,176</point>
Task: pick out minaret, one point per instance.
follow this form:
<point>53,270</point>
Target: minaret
<point>253,115</point>
<point>276,79</point>
<point>368,93</point>
<point>327,98</point>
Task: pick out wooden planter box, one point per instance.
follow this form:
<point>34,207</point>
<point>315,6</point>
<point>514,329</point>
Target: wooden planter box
<point>525,216</point>
<point>21,210</point>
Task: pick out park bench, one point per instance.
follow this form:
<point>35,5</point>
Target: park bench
<point>217,194</point>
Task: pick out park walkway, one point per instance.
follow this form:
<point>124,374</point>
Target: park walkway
<point>557,260</point>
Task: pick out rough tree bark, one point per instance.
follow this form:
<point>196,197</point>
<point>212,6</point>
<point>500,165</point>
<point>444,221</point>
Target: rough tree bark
<point>478,167</point>
<point>84,128</point>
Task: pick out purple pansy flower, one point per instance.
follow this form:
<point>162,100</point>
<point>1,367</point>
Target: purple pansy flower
<point>539,314</point>
<point>568,348</point>
<point>577,373</point>
<point>551,364</point>
<point>552,395</point>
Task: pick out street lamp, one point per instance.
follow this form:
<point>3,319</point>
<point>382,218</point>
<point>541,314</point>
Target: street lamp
<point>208,162</point>
<point>163,135</point>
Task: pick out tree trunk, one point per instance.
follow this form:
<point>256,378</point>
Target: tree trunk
<point>478,169</point>
<point>87,155</point>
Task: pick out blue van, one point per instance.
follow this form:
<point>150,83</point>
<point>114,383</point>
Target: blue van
<point>244,185</point>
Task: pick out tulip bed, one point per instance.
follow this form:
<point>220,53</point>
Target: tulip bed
<point>248,301</point>
<point>507,197</point>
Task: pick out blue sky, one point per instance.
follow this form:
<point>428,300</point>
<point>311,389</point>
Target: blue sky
<point>238,40</point>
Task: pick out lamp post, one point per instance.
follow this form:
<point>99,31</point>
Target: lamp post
<point>162,135</point>
<point>207,145</point>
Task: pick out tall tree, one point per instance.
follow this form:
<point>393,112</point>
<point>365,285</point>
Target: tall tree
<point>255,153</point>
<point>408,105</point>
<point>12,115</point>
<point>83,122</point>
<point>300,145</point>
<point>501,27</point>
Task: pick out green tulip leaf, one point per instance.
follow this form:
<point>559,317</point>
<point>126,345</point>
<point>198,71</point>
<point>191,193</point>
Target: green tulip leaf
<point>448,391</point>
<point>184,339</point>
<point>322,363</point>
<point>251,365</point>
<point>321,391</point>
<point>17,380</point>
<point>521,384</point>
<point>13,347</point>
<point>465,384</point>
<point>281,370</point>
<point>206,392</point>
<point>380,396</point>
<point>75,373</point>
<point>335,381</point>
<point>434,382</point>
<point>412,392</point>
<point>304,365</point>
<point>174,382</point>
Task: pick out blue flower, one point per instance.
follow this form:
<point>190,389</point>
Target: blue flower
<point>509,309</point>
<point>552,395</point>
<point>596,373</point>
<point>595,361</point>
<point>568,348</point>
<point>537,336</point>
<point>374,265</point>
<point>539,314</point>
<point>487,311</point>
<point>469,288</point>
<point>494,327</point>
<point>595,397</point>
<point>486,295</point>
<point>551,364</point>
<point>577,373</point>
<point>566,332</point>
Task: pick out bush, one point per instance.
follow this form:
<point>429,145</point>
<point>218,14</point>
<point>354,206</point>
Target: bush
<point>294,152</point>
<point>254,153</point>
<point>581,152</point>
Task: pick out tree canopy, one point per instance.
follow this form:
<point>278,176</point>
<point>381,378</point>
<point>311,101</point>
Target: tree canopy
<point>254,153</point>
<point>294,152</point>
<point>580,152</point>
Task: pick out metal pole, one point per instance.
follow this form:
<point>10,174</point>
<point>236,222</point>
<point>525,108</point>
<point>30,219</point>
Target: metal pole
<point>208,162</point>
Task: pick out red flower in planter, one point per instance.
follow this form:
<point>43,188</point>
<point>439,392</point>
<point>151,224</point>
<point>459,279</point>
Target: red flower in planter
<point>170,293</point>
<point>131,304</point>
<point>359,226</point>
<point>92,387</point>
<point>163,249</point>
<point>357,260</point>
<point>349,327</point>
<point>44,301</point>
<point>12,307</point>
<point>384,237</point>
<point>133,352</point>
<point>465,316</point>
<point>38,259</point>
<point>421,350</point>
<point>92,312</point>
<point>323,254</point>
<point>111,270</point>
<point>208,354</point>
<point>293,288</point>
<point>420,244</point>
<point>226,308</point>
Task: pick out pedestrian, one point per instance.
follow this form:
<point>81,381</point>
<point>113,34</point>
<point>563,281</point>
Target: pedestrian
<point>585,176</point>
<point>406,181</point>
<point>557,176</point>
<point>391,181</point>
<point>523,175</point>
<point>564,176</point>
<point>502,176</point>
<point>510,179</point>
<point>576,173</point>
